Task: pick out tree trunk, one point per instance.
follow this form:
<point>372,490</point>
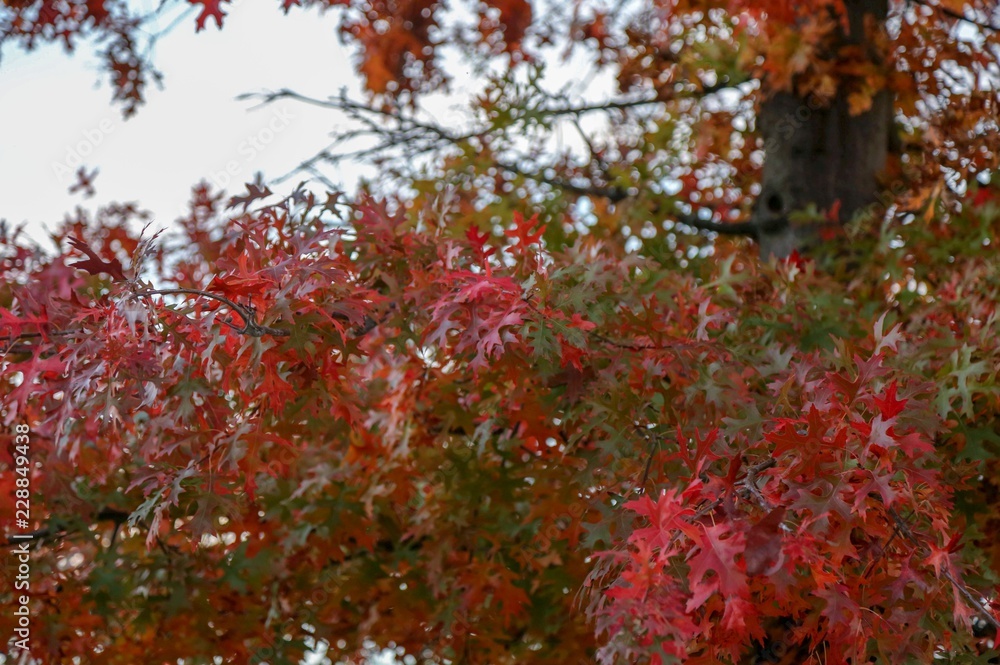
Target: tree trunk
<point>820,154</point>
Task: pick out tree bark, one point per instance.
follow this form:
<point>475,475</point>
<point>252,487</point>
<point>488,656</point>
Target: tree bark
<point>819,154</point>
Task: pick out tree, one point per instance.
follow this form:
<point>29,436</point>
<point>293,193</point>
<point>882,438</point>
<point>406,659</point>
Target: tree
<point>503,409</point>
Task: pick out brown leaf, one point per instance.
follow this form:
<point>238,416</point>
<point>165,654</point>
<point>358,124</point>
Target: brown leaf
<point>95,264</point>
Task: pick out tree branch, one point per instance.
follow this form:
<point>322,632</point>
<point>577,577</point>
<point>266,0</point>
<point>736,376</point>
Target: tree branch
<point>402,133</point>
<point>958,16</point>
<point>250,327</point>
<point>410,137</point>
<point>977,604</point>
<point>613,194</point>
<point>747,229</point>
<point>53,531</point>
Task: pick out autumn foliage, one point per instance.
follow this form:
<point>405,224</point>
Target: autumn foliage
<point>480,423</point>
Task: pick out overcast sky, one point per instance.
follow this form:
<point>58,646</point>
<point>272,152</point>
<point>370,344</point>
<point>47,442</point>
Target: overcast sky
<point>56,107</point>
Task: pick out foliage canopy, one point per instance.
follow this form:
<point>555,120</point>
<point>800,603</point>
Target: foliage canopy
<point>513,411</point>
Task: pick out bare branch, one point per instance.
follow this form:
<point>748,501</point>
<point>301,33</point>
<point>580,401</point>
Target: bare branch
<point>613,194</point>
<point>250,326</point>
<point>958,16</point>
<point>401,132</point>
<point>749,483</point>
<point>723,228</point>
<point>55,531</point>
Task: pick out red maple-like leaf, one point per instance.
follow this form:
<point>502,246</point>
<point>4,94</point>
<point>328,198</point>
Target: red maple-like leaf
<point>522,230</point>
<point>479,240</point>
<point>713,565</point>
<point>888,405</point>
<point>209,8</point>
<point>14,324</point>
<point>84,182</point>
<point>702,453</point>
<point>255,190</point>
<point>666,516</point>
<point>244,284</point>
<point>95,264</point>
<point>797,260</point>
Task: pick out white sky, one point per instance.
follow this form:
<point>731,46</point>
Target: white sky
<point>53,105</point>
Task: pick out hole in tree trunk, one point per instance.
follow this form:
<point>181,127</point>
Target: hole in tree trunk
<point>774,203</point>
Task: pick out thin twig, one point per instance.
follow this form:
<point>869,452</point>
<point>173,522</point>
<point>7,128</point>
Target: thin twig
<point>613,194</point>
<point>54,333</point>
<point>48,533</point>
<point>250,325</point>
<point>748,229</point>
<point>749,483</point>
<point>402,132</point>
<point>628,346</point>
<point>958,16</point>
<point>653,445</point>
<point>981,608</point>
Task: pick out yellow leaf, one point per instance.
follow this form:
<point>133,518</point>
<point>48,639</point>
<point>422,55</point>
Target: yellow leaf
<point>860,101</point>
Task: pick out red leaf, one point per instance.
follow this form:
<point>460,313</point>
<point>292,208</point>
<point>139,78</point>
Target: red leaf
<point>477,238</point>
<point>256,190</point>
<point>984,195</point>
<point>14,324</point>
<point>734,617</point>
<point>833,214</point>
<point>797,260</point>
<point>763,553</point>
<point>703,449</point>
<point>579,322</point>
<point>94,264</point>
<point>515,18</point>
<point>715,559</point>
<point>209,8</point>
<point>888,405</point>
<point>840,607</point>
<point>522,230</point>
<point>666,516</point>
<point>84,182</point>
